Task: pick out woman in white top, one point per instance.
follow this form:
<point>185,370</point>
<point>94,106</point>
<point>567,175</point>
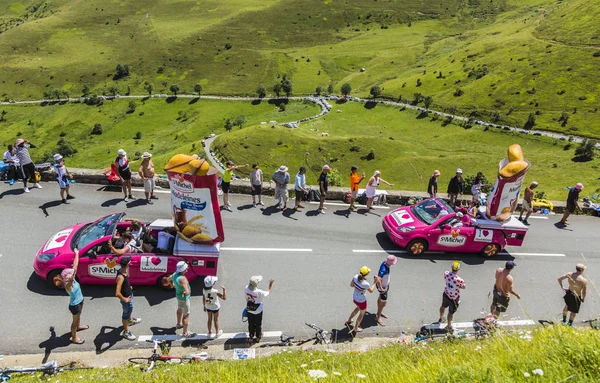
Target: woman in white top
<point>372,187</point>
<point>210,299</point>
<point>361,286</point>
<point>254,306</point>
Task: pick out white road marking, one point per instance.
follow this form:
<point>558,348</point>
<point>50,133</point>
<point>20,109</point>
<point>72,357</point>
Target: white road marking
<point>225,336</point>
<point>265,249</point>
<point>532,217</point>
<point>538,254</point>
<point>0,255</point>
<point>155,191</point>
<point>463,325</point>
<point>347,205</point>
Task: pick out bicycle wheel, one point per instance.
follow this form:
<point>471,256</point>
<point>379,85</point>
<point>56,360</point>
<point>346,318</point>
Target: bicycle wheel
<point>140,362</point>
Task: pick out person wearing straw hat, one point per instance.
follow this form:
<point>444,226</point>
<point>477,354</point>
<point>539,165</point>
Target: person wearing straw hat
<point>281,178</point>
<point>572,203</point>
<point>62,177</point>
<point>383,285</point>
<point>255,306</point>
<point>527,204</point>
<point>575,294</point>
<point>211,301</point>
<point>455,187</point>
<point>73,288</point>
<point>147,173</point>
<point>432,187</point>
<point>122,163</point>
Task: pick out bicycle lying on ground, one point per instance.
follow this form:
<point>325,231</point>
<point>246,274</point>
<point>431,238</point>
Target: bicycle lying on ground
<point>321,337</point>
<point>49,369</point>
<point>591,322</point>
<point>148,363</point>
<point>482,328</point>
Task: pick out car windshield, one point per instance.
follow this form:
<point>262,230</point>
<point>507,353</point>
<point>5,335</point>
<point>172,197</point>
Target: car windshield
<point>431,210</point>
<point>96,230</point>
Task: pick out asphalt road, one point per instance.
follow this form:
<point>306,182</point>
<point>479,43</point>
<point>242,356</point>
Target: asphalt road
<point>312,258</point>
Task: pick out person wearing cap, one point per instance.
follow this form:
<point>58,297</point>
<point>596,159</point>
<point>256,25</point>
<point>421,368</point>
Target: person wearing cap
<point>27,167</point>
<point>383,285</point>
<point>256,180</point>
<point>572,203</point>
<point>455,187</point>
<point>451,294</point>
<point>11,160</point>
<point>122,163</point>
<point>371,189</point>
<point>300,187</point>
<point>355,181</point>
<point>527,204</point>
<point>62,177</point>
<point>503,287</point>
<point>211,301</point>
<point>477,186</point>
<point>226,183</point>
<point>360,285</point>
<point>281,178</point>
<point>73,288</point>
<point>255,306</point>
<point>575,294</point>
<point>432,187</point>
<point>146,171</point>
<point>183,292</point>
<point>124,292</point>
<point>323,187</point>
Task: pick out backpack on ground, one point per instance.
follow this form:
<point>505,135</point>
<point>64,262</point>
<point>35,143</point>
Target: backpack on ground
<point>361,199</point>
<point>314,195</point>
<point>348,197</point>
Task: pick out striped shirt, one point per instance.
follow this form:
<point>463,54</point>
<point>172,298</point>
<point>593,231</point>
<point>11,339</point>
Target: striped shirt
<point>360,288</point>
<point>23,154</point>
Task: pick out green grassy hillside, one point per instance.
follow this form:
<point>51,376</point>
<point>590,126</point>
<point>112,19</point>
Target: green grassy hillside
<point>499,59</point>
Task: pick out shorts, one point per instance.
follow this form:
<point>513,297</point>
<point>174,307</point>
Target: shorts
<point>572,301</point>
<point>281,193</point>
<point>149,185</point>
<point>76,310</point>
<point>299,195</point>
<point>225,186</point>
<point>63,182</point>
<point>361,305</point>
<point>28,172</point>
<point>127,309</point>
<point>256,190</point>
<point>527,205</point>
<point>570,207</point>
<point>184,306</point>
<point>212,311</point>
<point>125,174</point>
<point>452,304</point>
<point>500,301</point>
<point>354,194</point>
<point>383,295</point>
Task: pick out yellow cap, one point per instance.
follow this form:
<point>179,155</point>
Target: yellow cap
<point>365,270</point>
<point>456,266</point>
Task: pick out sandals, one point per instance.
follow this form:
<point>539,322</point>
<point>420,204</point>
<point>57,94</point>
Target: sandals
<point>78,341</point>
<point>178,326</point>
<point>85,327</point>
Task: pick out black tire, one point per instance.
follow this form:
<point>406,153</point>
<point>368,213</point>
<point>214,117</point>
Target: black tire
<point>142,363</point>
<point>417,247</point>
<point>55,279</point>
<point>490,250</point>
<point>162,283</point>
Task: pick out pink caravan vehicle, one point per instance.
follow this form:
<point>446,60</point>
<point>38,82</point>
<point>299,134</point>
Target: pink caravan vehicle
<point>433,225</point>
<point>98,266</point>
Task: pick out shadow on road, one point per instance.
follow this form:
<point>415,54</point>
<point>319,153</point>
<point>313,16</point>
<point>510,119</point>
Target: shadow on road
<point>12,192</point>
<point>343,212</point>
<point>245,207</point>
<point>289,212</point>
<point>312,213</point>
<point>111,202</point>
<point>54,342</point>
<point>562,226</point>
<point>107,338</point>
<point>48,205</point>
<point>136,203</point>
<point>269,210</point>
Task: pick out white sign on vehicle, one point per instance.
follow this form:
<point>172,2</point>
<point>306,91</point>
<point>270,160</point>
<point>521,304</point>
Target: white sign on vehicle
<point>58,240</point>
<point>484,235</point>
<point>154,264</point>
<point>402,217</point>
<point>107,269</point>
<point>453,239</point>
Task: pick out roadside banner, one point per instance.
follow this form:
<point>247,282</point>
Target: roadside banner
<point>194,199</point>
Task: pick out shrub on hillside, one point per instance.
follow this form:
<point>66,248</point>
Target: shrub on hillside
<point>138,136</point>
<point>122,71</point>
<point>586,151</point>
<point>355,148</point>
<point>65,148</point>
<point>97,129</point>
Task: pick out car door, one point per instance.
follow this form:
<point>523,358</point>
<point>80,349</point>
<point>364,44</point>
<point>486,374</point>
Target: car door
<point>443,237</point>
<point>96,265</point>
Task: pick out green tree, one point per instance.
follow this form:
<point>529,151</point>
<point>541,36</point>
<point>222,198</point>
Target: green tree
<point>149,88</point>
<point>277,89</point>
<point>174,89</point>
<point>3,115</point>
<point>57,93</point>
<point>530,121</point>
<point>564,118</point>
<point>121,72</point>
<point>97,129</point>
<point>451,110</point>
<point>418,97</point>
<point>375,91</point>
<point>113,91</point>
<point>131,107</point>
<point>586,151</point>
<point>319,90</point>
<point>330,89</point>
<point>228,125</point>
<point>198,89</point>
<point>240,120</point>
<point>86,90</point>
<point>261,91</point>
<point>286,87</point>
<point>428,100</point>
<point>346,89</point>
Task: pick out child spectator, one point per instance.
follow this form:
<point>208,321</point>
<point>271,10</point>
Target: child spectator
<point>210,299</point>
<point>62,177</point>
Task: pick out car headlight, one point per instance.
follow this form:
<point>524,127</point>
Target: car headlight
<point>406,229</point>
<point>45,257</point>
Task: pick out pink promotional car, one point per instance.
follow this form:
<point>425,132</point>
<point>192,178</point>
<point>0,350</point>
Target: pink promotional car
<point>98,266</point>
<point>433,225</point>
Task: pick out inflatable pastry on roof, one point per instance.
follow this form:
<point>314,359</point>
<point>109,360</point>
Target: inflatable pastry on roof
<point>504,197</point>
<point>194,199</point>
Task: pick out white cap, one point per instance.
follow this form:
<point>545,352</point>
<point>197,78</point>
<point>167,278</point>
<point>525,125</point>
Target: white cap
<point>181,266</point>
<point>146,155</point>
<point>210,281</point>
<point>326,167</point>
<point>459,170</point>
<point>377,172</point>
<point>459,214</point>
<point>57,157</point>
<point>121,152</point>
<point>255,280</point>
<point>534,183</point>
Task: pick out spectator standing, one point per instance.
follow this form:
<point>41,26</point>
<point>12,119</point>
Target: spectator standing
<point>27,167</point>
<point>73,288</point>
<point>383,285</point>
<point>451,295</point>
<point>575,294</point>
<point>227,175</point>
<point>281,178</point>
<point>572,203</point>
<point>432,187</point>
<point>455,187</point>
<point>124,292</point>
<point>372,185</point>
<point>300,187</point>
<point>477,186</point>
<point>256,180</point>
<point>182,293</point>
<point>62,177</point>
<point>527,204</point>
<point>355,181</point>
<point>503,287</point>
<point>361,286</point>
<point>323,187</point>
<point>211,300</point>
<point>255,306</point>
<point>10,158</point>
<point>146,171</point>
<point>122,163</point>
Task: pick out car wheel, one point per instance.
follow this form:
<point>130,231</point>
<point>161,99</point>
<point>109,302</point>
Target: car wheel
<point>417,246</point>
<point>490,250</point>
<point>163,282</point>
<point>55,279</point>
